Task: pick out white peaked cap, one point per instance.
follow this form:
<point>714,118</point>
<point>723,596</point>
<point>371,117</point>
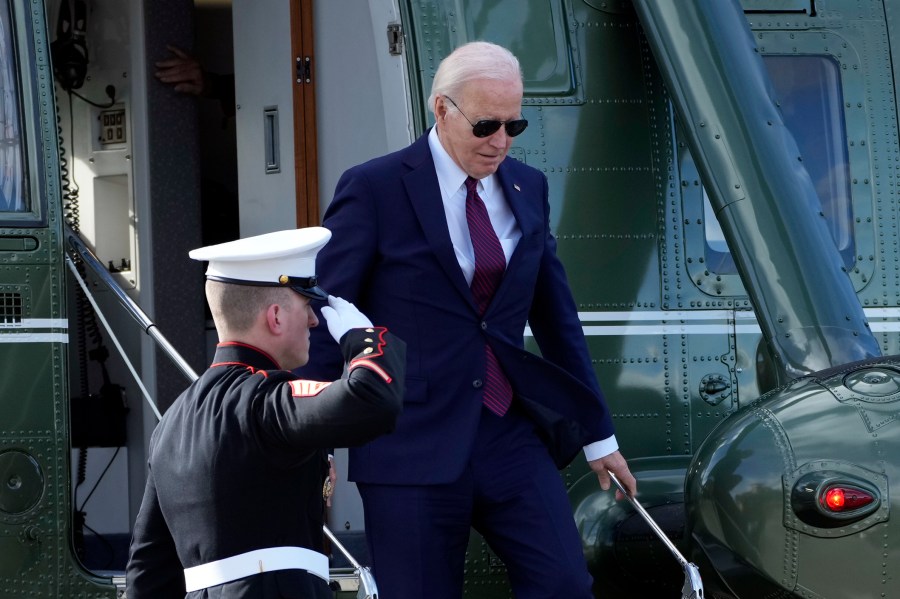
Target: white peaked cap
<point>279,259</point>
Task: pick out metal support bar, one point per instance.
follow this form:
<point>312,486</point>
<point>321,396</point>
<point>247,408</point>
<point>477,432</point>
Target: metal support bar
<point>693,586</point>
<point>87,256</point>
<point>367,587</point>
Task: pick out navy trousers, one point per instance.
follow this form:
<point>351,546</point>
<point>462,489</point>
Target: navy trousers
<point>510,492</point>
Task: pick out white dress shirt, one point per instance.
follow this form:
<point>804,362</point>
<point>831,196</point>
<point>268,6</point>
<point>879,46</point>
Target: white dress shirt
<point>451,180</point>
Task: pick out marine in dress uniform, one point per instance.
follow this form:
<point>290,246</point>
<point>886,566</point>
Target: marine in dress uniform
<point>233,505</point>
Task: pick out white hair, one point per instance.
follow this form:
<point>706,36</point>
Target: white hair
<point>475,60</point>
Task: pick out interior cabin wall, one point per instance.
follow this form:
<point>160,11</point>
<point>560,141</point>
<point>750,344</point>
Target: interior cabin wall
<point>362,102</point>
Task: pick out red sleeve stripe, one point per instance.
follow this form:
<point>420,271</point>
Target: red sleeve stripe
<point>371,366</point>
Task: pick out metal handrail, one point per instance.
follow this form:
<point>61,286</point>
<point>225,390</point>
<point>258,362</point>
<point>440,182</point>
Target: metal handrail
<point>90,259</point>
<point>693,585</point>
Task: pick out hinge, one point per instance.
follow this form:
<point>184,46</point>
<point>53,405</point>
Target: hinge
<point>304,69</point>
<point>395,39</point>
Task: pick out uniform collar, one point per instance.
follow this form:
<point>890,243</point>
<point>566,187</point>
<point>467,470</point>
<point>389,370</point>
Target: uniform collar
<point>234,353</point>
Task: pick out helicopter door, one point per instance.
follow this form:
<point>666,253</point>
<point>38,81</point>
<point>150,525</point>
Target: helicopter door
<point>275,115</point>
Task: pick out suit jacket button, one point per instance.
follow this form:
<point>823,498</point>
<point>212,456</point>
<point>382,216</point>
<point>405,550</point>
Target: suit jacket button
<point>477,383</point>
<point>483,325</point>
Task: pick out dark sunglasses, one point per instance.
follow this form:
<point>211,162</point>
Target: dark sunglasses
<point>489,127</point>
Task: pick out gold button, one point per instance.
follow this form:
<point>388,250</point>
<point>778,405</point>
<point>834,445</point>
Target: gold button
<point>368,350</point>
<point>370,330</point>
<point>368,341</point>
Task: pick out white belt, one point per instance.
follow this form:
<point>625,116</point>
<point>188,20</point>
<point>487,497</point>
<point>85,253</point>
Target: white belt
<point>255,562</point>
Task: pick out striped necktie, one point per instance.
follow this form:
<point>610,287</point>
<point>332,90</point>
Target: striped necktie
<point>490,264</point>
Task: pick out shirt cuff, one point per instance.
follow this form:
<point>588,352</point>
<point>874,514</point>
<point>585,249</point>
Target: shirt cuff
<point>601,449</point>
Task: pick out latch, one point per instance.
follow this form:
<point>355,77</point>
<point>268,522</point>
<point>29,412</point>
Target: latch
<point>714,388</point>
<point>395,39</point>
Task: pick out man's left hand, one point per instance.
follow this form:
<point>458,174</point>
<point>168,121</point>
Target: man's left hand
<point>616,464</point>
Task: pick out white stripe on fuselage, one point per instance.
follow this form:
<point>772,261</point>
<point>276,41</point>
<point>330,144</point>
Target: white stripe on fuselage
<point>685,322</point>
<point>35,330</point>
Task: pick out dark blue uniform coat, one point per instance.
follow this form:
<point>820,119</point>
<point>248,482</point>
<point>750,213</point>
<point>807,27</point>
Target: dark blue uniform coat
<point>237,464</point>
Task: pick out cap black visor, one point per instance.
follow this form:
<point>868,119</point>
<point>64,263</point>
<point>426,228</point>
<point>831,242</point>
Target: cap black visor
<point>316,293</point>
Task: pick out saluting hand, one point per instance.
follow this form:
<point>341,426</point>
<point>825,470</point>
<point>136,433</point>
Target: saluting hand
<point>342,316</point>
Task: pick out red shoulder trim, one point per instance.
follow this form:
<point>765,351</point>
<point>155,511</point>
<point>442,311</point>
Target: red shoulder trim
<point>304,388</point>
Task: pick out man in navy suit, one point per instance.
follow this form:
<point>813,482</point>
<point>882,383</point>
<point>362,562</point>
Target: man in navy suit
<point>448,243</point>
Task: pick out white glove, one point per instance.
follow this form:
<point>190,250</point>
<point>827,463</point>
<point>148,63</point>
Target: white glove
<point>342,316</point>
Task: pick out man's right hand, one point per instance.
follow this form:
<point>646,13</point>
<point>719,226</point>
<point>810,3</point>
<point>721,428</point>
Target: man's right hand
<point>342,316</point>
<point>616,464</point>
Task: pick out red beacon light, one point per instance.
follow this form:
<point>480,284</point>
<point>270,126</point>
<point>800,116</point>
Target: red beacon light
<point>829,499</point>
<point>845,498</point>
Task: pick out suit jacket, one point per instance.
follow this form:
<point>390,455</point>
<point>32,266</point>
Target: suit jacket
<point>391,255</point>
<point>236,464</point>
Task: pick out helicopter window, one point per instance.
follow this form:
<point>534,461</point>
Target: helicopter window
<point>808,89</point>
<point>13,191</point>
<point>533,31</point>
